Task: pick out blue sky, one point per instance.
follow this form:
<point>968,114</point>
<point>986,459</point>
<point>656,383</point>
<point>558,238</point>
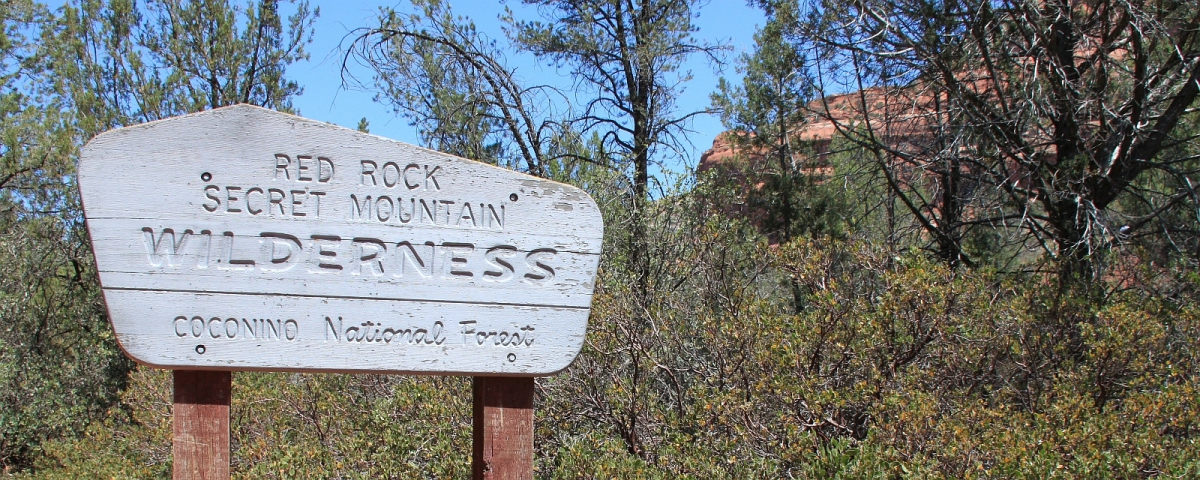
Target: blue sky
<point>727,21</point>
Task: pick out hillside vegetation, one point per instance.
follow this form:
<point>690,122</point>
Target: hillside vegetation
<point>941,240</point>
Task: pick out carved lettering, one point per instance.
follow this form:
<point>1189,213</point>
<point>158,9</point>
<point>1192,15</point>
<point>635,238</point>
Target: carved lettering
<point>368,173</point>
<point>439,212</point>
<point>165,247</point>
<point>228,258</point>
<point>430,214</point>
<point>317,207</point>
<point>281,252</point>
<point>324,260</point>
<point>412,209</point>
<point>456,261</point>
<point>540,271</point>
<point>466,213</point>
<point>409,259</point>
<point>250,208</point>
<point>276,197</point>
<point>298,202</point>
<point>378,332</point>
<point>258,201</point>
<point>370,254</point>
<point>408,183</point>
<point>497,258</point>
<point>379,210</point>
<point>302,170</point>
<point>305,166</point>
<point>210,192</point>
<point>282,162</point>
<point>447,203</point>
<point>335,331</point>
<point>512,337</point>
<point>182,319</point>
<point>413,176</point>
<point>430,177</point>
<point>233,328</point>
<point>324,170</point>
<point>494,220</point>
<point>395,178</point>
<point>231,198</point>
<point>272,328</point>
<point>360,209</point>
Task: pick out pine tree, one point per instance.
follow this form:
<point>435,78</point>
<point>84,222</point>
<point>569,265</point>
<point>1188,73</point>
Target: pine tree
<point>64,77</point>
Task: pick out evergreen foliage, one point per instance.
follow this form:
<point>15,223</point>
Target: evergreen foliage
<point>793,312</point>
<point>67,76</point>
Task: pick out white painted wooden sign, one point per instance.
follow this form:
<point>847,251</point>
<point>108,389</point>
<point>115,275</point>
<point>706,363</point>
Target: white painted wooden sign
<point>247,239</point>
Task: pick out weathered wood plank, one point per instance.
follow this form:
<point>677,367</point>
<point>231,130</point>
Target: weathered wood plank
<point>503,429</point>
<point>269,332</point>
<point>244,213</point>
<point>200,447</point>
<point>395,268</point>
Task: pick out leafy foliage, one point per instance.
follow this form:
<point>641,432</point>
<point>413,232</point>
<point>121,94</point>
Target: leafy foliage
<point>451,82</point>
<point>787,315</point>
<point>59,365</point>
<point>68,75</point>
<point>1016,114</point>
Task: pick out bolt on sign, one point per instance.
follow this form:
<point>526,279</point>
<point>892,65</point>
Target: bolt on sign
<point>246,239</point>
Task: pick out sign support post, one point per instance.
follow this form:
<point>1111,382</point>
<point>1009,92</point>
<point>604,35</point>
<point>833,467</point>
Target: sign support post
<point>201,424</point>
<point>502,430</point>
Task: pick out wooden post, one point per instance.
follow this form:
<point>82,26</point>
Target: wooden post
<point>503,428</point>
<point>201,416</point>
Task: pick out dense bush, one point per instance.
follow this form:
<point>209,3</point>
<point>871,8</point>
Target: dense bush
<point>893,365</point>
<point>898,365</point>
<point>781,316</point>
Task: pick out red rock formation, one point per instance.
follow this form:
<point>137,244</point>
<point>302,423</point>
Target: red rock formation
<point>900,115</point>
<point>902,118</point>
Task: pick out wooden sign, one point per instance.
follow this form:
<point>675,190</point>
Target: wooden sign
<point>247,239</point>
